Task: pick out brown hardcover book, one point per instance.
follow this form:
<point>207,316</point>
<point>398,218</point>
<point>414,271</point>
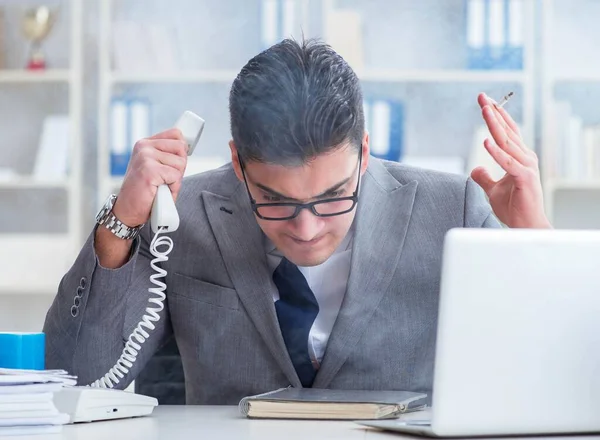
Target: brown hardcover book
<point>313,403</point>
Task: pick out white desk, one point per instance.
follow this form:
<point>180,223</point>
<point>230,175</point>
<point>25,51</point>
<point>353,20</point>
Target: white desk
<point>209,422</point>
<point>224,423</point>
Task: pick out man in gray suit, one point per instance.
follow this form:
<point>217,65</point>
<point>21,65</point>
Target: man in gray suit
<point>304,262</point>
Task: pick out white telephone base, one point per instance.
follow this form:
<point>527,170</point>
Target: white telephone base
<point>86,404</point>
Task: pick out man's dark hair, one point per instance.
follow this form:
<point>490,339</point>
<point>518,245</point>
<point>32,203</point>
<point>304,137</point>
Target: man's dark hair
<point>293,102</point>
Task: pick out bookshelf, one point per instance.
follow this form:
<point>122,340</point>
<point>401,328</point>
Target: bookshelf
<point>570,85</point>
<point>40,230</point>
<point>417,53</point>
<point>439,91</point>
<point>200,81</point>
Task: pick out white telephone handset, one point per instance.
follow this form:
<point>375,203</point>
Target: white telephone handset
<point>164,218</point>
<point>164,215</point>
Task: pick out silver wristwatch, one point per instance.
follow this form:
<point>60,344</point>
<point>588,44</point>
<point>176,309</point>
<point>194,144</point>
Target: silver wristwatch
<point>106,218</point>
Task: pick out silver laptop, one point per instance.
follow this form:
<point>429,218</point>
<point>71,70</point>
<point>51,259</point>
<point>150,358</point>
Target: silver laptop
<point>518,344</point>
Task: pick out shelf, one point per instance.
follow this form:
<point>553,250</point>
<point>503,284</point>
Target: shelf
<point>577,77</point>
<point>28,182</point>
<point>555,184</point>
<point>32,76</point>
<point>22,290</point>
<point>34,263</point>
<point>372,75</point>
<point>192,76</point>
<point>393,75</point>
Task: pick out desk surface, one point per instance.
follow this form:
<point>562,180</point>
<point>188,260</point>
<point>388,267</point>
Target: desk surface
<point>222,423</point>
<point>209,422</point>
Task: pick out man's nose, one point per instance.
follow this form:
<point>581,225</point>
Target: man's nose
<point>307,225</point>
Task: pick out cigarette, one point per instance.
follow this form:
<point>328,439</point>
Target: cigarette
<point>505,99</point>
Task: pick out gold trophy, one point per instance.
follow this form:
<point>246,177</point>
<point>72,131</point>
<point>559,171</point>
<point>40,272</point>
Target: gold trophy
<point>36,25</point>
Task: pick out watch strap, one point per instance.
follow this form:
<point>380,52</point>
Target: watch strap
<point>110,221</point>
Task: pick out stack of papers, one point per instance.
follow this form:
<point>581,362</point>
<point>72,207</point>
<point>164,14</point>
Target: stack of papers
<point>26,401</point>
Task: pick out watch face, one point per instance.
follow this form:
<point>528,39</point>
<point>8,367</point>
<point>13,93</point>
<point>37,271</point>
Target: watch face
<point>101,214</point>
<point>110,201</point>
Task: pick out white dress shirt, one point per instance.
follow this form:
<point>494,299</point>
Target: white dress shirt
<point>328,282</point>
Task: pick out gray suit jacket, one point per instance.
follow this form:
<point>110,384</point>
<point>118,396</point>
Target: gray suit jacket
<point>220,303</point>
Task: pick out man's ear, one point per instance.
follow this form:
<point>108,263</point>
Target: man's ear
<point>366,150</point>
<point>235,161</point>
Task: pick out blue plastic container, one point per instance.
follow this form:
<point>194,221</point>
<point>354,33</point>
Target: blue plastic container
<point>22,350</point>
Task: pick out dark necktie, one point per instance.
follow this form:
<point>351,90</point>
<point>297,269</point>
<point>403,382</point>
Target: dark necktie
<point>297,309</point>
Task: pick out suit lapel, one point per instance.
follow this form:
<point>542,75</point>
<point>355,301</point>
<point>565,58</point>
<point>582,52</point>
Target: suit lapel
<point>382,220</point>
<point>241,244</point>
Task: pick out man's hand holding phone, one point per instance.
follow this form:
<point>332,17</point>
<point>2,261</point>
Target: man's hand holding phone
<point>159,159</point>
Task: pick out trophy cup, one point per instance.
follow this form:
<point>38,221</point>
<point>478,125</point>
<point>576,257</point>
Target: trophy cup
<point>36,24</point>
